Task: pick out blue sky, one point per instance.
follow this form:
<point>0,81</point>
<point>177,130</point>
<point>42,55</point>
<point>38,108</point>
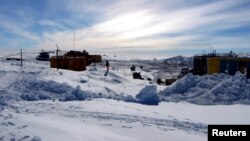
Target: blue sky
<point>154,27</point>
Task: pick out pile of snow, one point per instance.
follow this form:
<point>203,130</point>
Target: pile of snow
<point>34,86</point>
<point>148,95</point>
<point>26,86</point>
<point>180,60</point>
<point>209,89</point>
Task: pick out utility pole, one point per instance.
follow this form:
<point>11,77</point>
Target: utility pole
<point>57,59</point>
<point>21,58</point>
<point>74,40</point>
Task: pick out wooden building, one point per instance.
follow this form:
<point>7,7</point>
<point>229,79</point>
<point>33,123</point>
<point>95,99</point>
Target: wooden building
<point>74,60</point>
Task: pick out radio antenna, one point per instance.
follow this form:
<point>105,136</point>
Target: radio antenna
<point>74,40</point>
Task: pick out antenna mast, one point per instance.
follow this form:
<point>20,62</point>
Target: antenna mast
<point>74,40</point>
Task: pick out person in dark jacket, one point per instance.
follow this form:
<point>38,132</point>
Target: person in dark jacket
<point>107,66</point>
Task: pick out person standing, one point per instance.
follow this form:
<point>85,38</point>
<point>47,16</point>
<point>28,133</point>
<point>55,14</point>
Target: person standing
<point>107,66</point>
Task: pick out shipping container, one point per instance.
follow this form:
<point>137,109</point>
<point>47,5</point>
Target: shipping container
<point>200,65</point>
<point>208,64</point>
<point>232,68</point>
<point>213,65</point>
<point>242,65</point>
<point>224,66</point>
<point>248,70</point>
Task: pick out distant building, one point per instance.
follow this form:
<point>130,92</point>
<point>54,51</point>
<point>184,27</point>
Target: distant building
<point>74,60</point>
<point>215,63</point>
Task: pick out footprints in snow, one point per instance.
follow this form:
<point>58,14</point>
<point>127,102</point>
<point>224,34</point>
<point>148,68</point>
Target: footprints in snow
<point>122,126</point>
<point>10,131</point>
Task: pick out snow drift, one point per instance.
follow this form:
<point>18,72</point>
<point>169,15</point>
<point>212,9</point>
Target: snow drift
<point>209,89</point>
<point>28,86</point>
<point>38,83</point>
<point>148,95</point>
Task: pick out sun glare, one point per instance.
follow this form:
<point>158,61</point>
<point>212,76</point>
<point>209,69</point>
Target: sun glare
<point>139,24</point>
<point>128,22</point>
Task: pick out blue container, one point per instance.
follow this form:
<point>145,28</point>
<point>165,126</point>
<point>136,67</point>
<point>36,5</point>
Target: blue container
<point>248,70</point>
<point>232,67</point>
<point>224,66</point>
<point>228,66</point>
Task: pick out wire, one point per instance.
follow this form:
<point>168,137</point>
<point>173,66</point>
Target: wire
<point>10,55</point>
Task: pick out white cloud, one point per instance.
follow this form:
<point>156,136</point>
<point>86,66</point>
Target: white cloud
<point>161,24</point>
<point>14,28</point>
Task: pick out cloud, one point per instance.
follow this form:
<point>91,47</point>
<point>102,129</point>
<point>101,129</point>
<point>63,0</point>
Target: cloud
<point>141,24</point>
<point>18,30</point>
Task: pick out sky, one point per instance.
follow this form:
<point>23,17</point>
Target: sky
<point>135,27</point>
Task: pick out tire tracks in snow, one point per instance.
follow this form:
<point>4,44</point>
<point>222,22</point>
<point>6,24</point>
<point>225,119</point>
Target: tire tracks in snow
<point>162,124</point>
<point>170,124</point>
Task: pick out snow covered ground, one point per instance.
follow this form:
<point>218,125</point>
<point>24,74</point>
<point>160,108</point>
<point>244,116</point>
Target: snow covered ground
<point>103,119</point>
<point>40,103</point>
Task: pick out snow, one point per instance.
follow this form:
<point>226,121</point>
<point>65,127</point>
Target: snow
<point>39,103</point>
<point>103,119</point>
<point>148,95</point>
<point>209,89</point>
<point>43,83</point>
